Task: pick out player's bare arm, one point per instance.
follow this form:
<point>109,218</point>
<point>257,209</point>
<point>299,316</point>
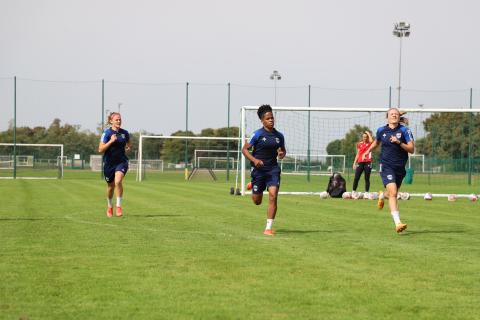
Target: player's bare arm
<point>246,152</point>
<point>409,147</point>
<point>355,160</point>
<point>104,146</point>
<point>372,147</point>
<point>128,146</point>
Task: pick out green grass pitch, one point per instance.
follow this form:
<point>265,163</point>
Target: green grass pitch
<point>189,250</point>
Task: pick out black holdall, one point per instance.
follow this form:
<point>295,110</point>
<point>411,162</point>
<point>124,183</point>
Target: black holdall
<point>336,185</point>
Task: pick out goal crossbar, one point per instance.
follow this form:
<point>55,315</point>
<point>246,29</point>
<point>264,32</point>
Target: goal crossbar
<point>369,109</point>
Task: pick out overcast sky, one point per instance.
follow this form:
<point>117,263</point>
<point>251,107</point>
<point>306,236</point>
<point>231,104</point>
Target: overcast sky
<point>327,44</point>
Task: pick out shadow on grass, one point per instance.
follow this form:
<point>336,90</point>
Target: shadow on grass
<point>149,216</point>
<point>420,232</point>
<point>23,219</point>
<point>286,231</point>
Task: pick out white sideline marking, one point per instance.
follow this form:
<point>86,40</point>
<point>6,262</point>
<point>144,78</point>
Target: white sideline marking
<point>306,193</point>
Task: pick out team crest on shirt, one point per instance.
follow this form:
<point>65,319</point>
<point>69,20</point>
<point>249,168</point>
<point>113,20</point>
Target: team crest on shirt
<point>278,140</point>
<point>264,139</point>
<point>123,136</point>
<point>398,135</point>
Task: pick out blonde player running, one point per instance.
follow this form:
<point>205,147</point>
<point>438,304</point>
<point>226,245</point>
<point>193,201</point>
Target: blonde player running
<point>114,144</point>
<point>397,142</point>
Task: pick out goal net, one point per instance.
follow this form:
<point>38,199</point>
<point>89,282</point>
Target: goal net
<point>178,156</point>
<point>96,162</point>
<point>320,141</point>
<point>31,161</point>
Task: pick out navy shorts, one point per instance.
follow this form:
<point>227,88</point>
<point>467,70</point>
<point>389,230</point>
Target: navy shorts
<point>263,179</point>
<point>109,170</point>
<point>392,174</point>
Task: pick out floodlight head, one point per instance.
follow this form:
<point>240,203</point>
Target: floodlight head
<point>401,29</point>
<point>275,75</point>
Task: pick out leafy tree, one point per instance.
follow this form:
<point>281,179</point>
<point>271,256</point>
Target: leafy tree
<point>449,136</point>
<point>173,150</point>
<point>335,147</point>
<point>85,143</point>
<point>347,145</point>
<point>75,141</point>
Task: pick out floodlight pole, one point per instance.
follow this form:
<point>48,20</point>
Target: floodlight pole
<point>399,73</point>
<point>275,76</point>
<point>15,127</point>
<point>228,132</point>
<point>400,30</point>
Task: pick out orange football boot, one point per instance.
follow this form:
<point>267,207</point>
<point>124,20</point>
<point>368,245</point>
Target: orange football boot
<point>269,232</point>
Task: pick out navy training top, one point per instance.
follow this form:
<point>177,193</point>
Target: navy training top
<point>392,154</point>
<point>265,145</point>
<point>115,154</point>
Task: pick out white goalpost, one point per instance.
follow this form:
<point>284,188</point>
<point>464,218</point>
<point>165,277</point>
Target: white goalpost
<point>413,157</point>
<point>34,167</point>
<point>310,131</point>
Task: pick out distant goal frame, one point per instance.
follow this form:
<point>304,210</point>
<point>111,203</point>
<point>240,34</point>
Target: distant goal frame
<point>61,146</point>
<point>140,173</point>
<point>365,109</point>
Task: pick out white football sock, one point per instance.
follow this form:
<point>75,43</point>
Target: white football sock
<point>269,224</point>
<point>396,217</point>
<point>109,202</point>
<point>119,201</point>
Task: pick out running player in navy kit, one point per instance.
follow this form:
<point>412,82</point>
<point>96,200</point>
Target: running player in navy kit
<point>397,142</point>
<point>115,142</point>
<point>268,144</point>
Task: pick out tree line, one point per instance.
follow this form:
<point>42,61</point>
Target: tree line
<point>448,136</point>
<point>85,142</point>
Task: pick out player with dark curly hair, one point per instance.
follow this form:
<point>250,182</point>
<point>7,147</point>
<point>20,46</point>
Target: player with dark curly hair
<point>267,144</point>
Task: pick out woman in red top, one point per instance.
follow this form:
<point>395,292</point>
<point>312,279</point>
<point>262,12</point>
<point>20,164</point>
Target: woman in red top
<point>362,161</point>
